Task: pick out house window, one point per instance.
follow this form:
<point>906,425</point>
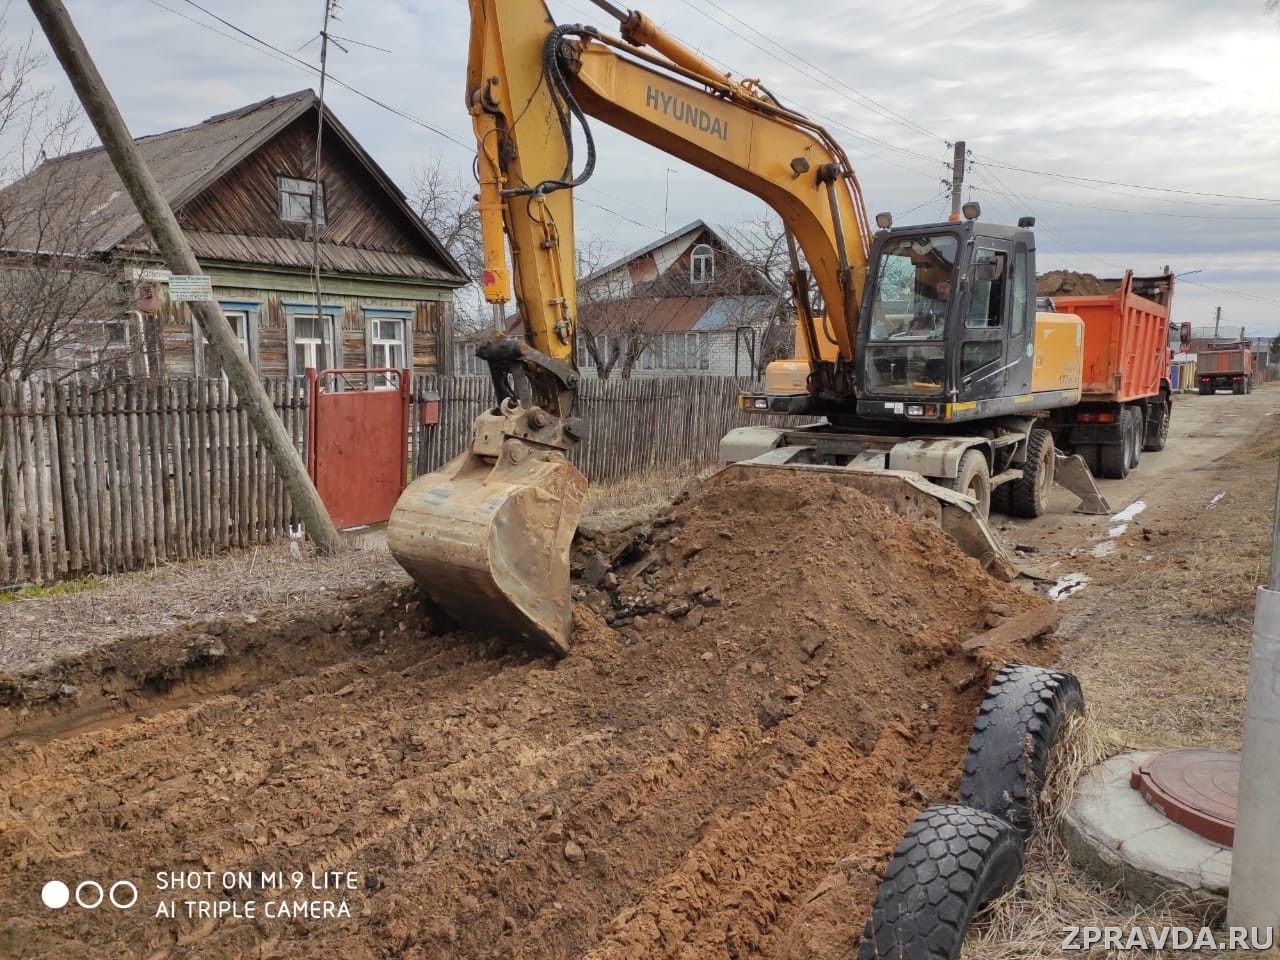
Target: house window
<point>585,360</point>
<point>116,331</point>
<point>702,264</point>
<point>296,197</point>
<point>308,346</point>
<point>238,320</point>
<point>386,348</point>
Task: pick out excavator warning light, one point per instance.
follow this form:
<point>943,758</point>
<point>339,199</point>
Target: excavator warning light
<point>884,220</point>
<point>1026,223</point>
<point>972,210</point>
<point>799,165</point>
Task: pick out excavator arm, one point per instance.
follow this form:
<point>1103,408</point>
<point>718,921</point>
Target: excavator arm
<point>488,535</point>
<point>528,77</point>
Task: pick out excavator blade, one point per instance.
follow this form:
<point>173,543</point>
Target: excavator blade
<point>1073,474</point>
<point>903,491</point>
<point>488,540</point>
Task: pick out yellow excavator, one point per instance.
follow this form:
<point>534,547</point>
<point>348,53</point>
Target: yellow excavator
<point>926,364</point>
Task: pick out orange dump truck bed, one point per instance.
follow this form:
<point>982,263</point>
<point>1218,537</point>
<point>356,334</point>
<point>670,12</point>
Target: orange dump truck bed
<point>1126,337</point>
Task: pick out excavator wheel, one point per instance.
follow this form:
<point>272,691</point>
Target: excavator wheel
<point>973,479</point>
<point>1029,496</point>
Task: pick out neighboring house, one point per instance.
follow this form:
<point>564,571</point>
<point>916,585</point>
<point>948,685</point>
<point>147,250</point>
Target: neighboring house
<point>694,302</point>
<point>242,186</point>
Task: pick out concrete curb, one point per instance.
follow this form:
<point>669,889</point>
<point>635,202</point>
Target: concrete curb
<point>1115,835</point>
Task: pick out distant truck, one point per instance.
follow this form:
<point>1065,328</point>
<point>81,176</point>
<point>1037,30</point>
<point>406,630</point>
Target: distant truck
<point>1126,400</point>
<point>1225,365</point>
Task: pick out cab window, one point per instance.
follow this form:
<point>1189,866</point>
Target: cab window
<point>986,292</point>
<point>1018,319</point>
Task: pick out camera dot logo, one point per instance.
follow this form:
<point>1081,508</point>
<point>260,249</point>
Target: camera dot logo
<point>55,894</point>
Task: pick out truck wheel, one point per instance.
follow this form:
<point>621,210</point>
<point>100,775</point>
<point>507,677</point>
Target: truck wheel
<point>1133,417</point>
<point>951,861</point>
<point>1030,494</point>
<point>1113,458</point>
<point>973,479</point>
<point>1248,386</point>
<point>1157,433</point>
<point>1236,389</point>
<point>1017,726</point>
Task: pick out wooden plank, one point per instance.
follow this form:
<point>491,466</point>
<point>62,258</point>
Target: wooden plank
<point>56,488</point>
<point>141,422</point>
<point>11,493</point>
<point>200,466</point>
<point>155,434</point>
<point>180,458</point>
<point>217,475</point>
<point>93,489</point>
<point>40,449</point>
<point>31,504</point>
<point>72,479</point>
<point>1025,626</point>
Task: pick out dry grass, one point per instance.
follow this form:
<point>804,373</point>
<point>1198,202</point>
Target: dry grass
<point>615,505</point>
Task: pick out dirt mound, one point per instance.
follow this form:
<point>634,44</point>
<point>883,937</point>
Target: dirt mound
<point>1068,283</point>
<point>766,686</point>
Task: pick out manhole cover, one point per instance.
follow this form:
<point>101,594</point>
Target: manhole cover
<point>1195,788</point>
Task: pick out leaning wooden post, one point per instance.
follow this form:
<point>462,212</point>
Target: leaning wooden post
<point>179,258</point>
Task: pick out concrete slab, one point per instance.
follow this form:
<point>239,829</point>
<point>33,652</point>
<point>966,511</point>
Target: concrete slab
<point>1115,834</point>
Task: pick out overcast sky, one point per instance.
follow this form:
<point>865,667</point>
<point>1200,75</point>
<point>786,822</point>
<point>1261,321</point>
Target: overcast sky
<point>1176,94</point>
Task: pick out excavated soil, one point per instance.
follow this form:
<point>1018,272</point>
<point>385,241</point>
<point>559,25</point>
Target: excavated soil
<point>1068,283</point>
<point>766,686</point>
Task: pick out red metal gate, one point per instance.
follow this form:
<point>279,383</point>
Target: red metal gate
<point>358,441</point>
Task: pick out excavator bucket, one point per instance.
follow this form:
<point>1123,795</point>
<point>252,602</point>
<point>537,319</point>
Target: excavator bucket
<point>487,538</point>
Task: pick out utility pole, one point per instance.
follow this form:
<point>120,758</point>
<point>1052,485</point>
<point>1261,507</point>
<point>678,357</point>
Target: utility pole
<point>1255,857</point>
<point>1217,321</point>
<point>317,198</point>
<point>957,181</point>
<point>179,258</point>
<point>666,202</point>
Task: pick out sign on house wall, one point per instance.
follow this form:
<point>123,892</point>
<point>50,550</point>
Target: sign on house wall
<point>188,287</point>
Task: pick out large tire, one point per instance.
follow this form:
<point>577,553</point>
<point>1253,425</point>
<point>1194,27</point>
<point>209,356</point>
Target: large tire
<point>1133,416</point>
<point>1029,495</point>
<point>951,861</point>
<point>1016,728</point>
<point>1157,433</point>
<point>973,479</point>
<point>1237,388</point>
<point>1113,458</point>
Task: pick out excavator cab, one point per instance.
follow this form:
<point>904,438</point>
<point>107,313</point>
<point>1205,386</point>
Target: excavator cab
<point>948,322</point>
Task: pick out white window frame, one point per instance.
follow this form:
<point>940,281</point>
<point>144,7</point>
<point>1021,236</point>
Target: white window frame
<point>239,320</point>
<point>317,346</point>
<point>288,187</point>
<point>399,343</point>
<point>702,264</point>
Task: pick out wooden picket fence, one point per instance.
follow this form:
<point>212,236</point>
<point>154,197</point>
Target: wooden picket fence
<point>102,479</point>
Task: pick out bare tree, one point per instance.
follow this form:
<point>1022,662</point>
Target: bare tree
<point>446,202</point>
<point>61,309</point>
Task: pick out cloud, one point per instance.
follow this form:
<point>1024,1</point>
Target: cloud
<point>1176,94</point>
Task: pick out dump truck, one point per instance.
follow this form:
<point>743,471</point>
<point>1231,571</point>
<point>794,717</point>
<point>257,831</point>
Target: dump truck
<point>1126,399</point>
<point>1225,365</point>
<point>937,321</point>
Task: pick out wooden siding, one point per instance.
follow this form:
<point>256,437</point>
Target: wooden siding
<point>269,341</point>
<point>246,200</point>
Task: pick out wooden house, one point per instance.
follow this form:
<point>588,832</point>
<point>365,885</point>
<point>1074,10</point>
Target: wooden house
<point>243,187</point>
<point>696,301</point>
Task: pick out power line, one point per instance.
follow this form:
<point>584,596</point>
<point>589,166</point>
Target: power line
<point>1133,186</point>
<point>875,105</point>
<point>282,56</point>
